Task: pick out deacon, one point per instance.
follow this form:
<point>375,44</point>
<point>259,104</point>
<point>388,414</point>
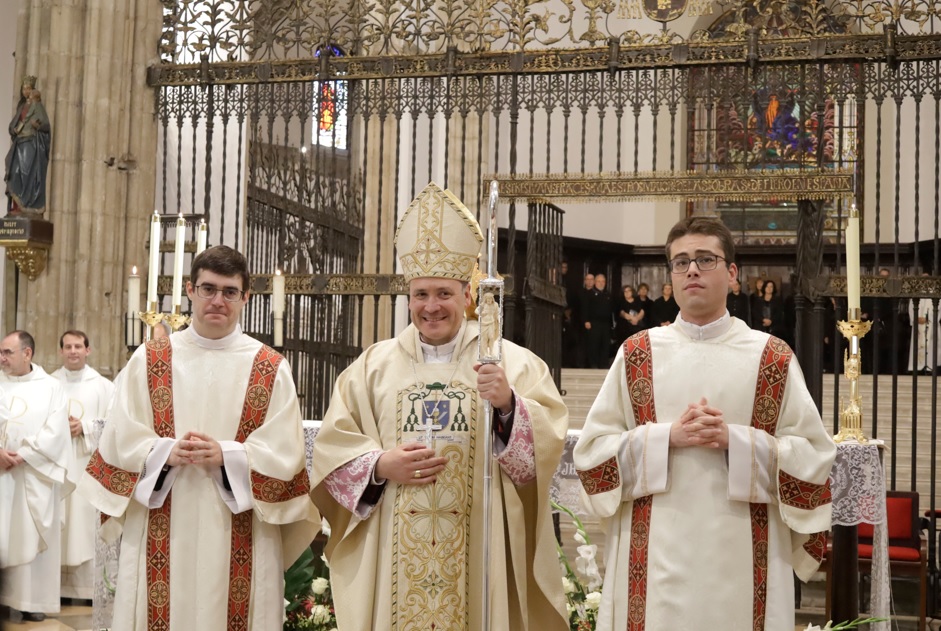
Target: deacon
<point>35,455</point>
<point>87,396</point>
<point>706,458</point>
<point>202,456</point>
<point>407,516</point>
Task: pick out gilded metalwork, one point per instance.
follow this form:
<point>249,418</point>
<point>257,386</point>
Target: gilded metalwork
<point>851,415</point>
<point>266,30</point>
<point>30,260</point>
<point>926,287</point>
<point>737,185</point>
<point>636,54</point>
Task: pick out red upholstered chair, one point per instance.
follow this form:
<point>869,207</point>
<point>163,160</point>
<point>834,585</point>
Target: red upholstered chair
<point>908,547</point>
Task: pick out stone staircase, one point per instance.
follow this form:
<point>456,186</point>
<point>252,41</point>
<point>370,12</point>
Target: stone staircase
<point>581,386</point>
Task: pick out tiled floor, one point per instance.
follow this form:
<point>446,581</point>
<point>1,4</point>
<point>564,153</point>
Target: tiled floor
<point>69,619</point>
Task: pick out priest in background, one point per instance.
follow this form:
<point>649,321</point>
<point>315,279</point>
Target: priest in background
<point>87,396</point>
<point>202,458</point>
<point>407,517</point>
<point>35,456</point>
<point>707,461</point>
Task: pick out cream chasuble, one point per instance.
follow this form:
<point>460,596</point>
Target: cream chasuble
<point>195,555</point>
<point>37,429</point>
<point>415,561</point>
<point>701,538</point>
<point>87,396</point>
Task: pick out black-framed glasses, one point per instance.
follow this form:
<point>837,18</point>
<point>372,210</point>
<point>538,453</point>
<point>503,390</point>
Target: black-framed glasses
<point>229,294</point>
<point>704,263</point>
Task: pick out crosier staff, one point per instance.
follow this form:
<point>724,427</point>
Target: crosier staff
<point>489,351</point>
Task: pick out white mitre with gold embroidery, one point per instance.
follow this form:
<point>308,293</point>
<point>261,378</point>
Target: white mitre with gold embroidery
<point>438,237</point>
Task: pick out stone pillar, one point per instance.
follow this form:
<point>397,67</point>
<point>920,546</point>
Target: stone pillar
<point>91,59</point>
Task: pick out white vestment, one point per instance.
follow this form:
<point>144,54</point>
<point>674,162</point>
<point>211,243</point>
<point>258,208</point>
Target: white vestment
<point>37,429</point>
<point>922,356</point>
<point>708,521</point>
<point>192,578</point>
<point>87,396</point>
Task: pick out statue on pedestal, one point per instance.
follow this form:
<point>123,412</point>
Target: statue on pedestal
<point>28,158</point>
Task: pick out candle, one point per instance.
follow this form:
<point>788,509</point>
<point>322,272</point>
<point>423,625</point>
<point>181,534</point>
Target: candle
<point>154,260</point>
<point>279,331</point>
<point>201,237</point>
<point>178,261</point>
<point>277,294</point>
<point>852,262</point>
<point>133,306</point>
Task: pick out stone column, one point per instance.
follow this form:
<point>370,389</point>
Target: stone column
<point>91,59</point>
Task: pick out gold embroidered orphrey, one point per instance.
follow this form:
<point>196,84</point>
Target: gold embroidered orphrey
<point>432,526</point>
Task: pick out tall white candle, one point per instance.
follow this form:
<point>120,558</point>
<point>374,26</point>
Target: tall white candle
<point>133,306</point>
<point>201,237</point>
<point>279,330</point>
<point>154,268</point>
<point>277,294</point>
<point>852,259</point>
<point>178,261</point>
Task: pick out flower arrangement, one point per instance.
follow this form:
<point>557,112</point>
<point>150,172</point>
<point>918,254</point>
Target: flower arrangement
<point>308,601</point>
<point>583,584</point>
<point>843,625</point>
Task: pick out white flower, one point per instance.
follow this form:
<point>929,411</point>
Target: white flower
<point>324,526</point>
<point>567,585</point>
<point>593,600</point>
<point>323,557</point>
<point>569,608</point>
<point>587,566</point>
<point>579,537</point>
<point>320,614</point>
<point>320,585</point>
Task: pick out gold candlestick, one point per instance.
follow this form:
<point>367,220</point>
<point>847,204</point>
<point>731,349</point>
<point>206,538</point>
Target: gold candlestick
<point>851,416</point>
<point>176,319</point>
<point>151,318</point>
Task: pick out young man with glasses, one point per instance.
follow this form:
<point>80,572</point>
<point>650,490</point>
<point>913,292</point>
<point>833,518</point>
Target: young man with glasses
<point>707,458</point>
<point>35,454</point>
<point>203,458</point>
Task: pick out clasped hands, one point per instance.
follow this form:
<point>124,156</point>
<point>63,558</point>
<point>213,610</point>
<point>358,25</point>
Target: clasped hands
<point>700,426</point>
<point>9,459</point>
<point>196,448</point>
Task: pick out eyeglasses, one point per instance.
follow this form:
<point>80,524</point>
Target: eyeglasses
<point>208,292</point>
<point>704,263</point>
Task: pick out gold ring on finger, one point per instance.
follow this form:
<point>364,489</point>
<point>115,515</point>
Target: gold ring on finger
<point>417,474</point>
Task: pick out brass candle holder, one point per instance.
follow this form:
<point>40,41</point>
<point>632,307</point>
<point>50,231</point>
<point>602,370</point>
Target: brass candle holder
<point>176,320</point>
<point>152,318</point>
<point>851,416</point>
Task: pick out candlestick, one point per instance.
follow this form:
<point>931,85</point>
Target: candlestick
<point>852,262</point>
<point>154,268</point>
<point>277,293</point>
<point>178,261</point>
<point>133,306</point>
<point>201,236</point>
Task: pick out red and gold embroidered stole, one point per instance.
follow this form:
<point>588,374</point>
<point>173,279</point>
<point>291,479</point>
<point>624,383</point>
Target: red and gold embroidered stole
<point>769,394</point>
<point>638,365</point>
<point>254,411</point>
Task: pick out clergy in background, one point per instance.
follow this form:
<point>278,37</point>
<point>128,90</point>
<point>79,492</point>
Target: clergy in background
<point>202,458</point>
<point>87,396</point>
<point>35,455</point>
<point>706,458</point>
<point>407,517</point>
